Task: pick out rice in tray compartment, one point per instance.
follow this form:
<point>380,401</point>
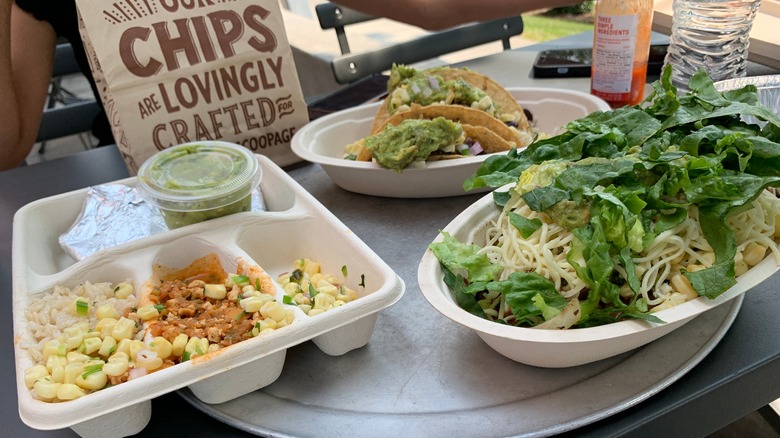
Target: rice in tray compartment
<point>49,315</point>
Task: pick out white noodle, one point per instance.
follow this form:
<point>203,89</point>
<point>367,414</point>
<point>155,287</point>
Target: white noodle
<point>683,247</point>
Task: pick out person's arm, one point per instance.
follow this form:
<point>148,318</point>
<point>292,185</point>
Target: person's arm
<point>441,14</point>
<point>26,59</point>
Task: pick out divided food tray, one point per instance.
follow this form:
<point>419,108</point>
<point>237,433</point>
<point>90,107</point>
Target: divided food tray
<point>294,226</point>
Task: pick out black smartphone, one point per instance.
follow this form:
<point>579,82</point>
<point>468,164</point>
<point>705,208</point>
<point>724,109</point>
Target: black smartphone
<point>357,93</point>
<point>575,63</point>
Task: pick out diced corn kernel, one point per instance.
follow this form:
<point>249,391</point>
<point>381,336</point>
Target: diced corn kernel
<point>681,284</point>
<point>309,267</point>
<point>162,347</point>
<point>58,372</point>
<point>75,356</point>
<point>147,312</point>
<point>267,324</point>
<point>73,342</point>
<point>105,326</point>
<point>92,381</point>
<point>212,348</point>
<point>92,334</point>
<point>229,282</point>
<point>251,304</point>
<point>326,288</point>
<point>69,391</point>
<point>108,347</point>
<point>740,268</point>
<point>273,310</point>
<point>753,253</point>
<point>283,279</point>
<point>315,312</point>
<point>193,346</point>
<point>305,308</point>
<point>123,347</point>
<point>215,291</point>
<point>46,388</point>
<point>90,345</point>
<point>123,329</point>
<point>289,316</point>
<point>204,345</point>
<point>34,373</point>
<point>72,370</point>
<point>301,299</point>
<point>53,361</point>
<point>323,301</point>
<point>338,303</point>
<point>53,348</point>
<point>106,311</point>
<point>248,289</point>
<point>291,289</point>
<point>123,290</point>
<point>117,365</point>
<point>179,343</point>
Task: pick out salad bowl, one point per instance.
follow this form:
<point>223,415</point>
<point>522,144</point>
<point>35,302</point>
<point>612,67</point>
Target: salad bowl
<point>560,348</point>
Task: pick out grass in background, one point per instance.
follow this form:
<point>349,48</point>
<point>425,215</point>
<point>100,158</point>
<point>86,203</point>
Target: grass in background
<point>540,28</point>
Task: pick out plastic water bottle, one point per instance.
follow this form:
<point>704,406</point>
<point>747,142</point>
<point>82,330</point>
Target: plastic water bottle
<point>712,35</point>
<point>621,43</point>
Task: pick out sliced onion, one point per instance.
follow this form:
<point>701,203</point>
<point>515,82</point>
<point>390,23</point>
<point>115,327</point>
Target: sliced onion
<point>415,88</point>
<point>434,83</point>
<point>146,354</point>
<point>136,373</point>
<point>476,148</point>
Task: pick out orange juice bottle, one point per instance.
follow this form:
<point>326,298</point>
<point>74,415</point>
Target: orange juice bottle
<point>621,43</point>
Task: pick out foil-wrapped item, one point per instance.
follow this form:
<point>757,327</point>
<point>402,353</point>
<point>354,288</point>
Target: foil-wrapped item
<point>114,214</point>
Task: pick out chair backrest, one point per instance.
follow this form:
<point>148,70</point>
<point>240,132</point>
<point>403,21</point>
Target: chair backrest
<point>74,115</point>
<point>350,67</point>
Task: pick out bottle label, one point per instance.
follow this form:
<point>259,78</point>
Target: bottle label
<point>613,54</point>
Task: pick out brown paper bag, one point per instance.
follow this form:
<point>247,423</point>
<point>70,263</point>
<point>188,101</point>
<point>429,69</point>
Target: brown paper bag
<point>175,71</point>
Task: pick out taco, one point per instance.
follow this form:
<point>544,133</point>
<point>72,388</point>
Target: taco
<point>408,86</point>
<point>466,116</point>
<point>419,140</point>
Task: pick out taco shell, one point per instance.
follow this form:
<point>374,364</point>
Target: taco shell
<point>502,98</point>
<point>461,114</point>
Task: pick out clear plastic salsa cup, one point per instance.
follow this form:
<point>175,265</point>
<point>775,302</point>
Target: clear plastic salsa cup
<point>198,181</point>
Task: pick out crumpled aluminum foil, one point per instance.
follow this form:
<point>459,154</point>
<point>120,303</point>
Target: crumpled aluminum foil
<point>114,214</point>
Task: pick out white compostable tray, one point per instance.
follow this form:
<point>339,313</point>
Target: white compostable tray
<point>323,140</point>
<point>294,226</point>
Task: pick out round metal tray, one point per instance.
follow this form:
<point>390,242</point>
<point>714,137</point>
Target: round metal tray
<point>421,375</point>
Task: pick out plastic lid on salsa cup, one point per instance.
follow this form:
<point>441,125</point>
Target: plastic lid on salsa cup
<point>199,176</point>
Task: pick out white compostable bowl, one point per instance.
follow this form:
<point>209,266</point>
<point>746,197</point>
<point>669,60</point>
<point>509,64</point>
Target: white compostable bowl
<point>560,348</point>
<point>323,140</point>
